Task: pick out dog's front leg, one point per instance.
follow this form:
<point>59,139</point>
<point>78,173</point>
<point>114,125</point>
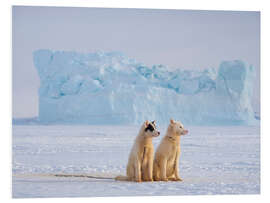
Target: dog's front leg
<point>150,164</point>
<point>176,166</point>
<point>145,165</point>
<point>163,169</point>
<point>138,174</point>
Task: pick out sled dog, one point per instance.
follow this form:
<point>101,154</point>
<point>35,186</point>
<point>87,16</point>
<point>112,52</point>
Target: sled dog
<point>140,162</point>
<point>166,161</point>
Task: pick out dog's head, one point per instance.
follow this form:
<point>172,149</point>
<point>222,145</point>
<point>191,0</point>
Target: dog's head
<point>150,129</point>
<point>177,128</point>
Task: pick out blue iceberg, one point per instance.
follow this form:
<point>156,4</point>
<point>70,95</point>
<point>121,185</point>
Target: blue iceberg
<point>111,88</point>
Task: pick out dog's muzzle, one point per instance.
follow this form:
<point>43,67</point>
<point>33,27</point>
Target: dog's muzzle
<point>158,133</point>
<point>185,132</point>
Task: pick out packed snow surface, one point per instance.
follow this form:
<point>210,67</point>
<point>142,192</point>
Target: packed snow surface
<point>214,160</point>
<point>110,88</point>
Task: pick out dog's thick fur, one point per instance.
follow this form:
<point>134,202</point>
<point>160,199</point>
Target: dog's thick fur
<point>166,161</point>
<point>140,162</point>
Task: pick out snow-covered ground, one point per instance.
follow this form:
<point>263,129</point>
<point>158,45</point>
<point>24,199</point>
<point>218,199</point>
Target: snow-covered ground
<point>214,160</point>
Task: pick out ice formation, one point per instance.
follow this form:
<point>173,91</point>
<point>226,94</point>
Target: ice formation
<point>110,88</point>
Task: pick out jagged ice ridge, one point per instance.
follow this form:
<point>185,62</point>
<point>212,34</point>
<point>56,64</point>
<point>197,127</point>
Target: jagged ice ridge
<point>111,88</point>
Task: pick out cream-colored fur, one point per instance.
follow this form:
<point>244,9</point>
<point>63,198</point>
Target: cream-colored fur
<point>140,162</point>
<point>166,161</point>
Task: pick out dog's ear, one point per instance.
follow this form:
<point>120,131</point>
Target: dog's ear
<point>154,122</point>
<point>146,123</point>
<point>172,121</point>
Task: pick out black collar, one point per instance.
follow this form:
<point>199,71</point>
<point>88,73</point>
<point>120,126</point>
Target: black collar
<point>171,138</point>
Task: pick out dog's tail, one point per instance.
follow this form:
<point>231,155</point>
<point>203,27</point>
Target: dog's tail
<point>122,178</point>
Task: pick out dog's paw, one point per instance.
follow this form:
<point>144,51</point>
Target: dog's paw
<point>177,179</point>
<point>165,179</point>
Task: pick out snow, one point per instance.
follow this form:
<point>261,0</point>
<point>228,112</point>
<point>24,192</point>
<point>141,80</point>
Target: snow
<point>111,88</point>
<point>214,160</point>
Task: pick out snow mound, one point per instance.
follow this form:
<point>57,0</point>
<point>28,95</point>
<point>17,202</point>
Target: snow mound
<point>110,88</point>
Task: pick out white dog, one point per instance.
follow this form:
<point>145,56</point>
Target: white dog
<point>140,162</point>
<point>166,162</point>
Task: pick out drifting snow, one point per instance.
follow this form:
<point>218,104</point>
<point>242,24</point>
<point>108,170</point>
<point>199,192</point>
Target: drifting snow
<point>110,88</point>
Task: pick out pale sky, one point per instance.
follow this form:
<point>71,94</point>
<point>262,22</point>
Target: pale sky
<point>176,38</point>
